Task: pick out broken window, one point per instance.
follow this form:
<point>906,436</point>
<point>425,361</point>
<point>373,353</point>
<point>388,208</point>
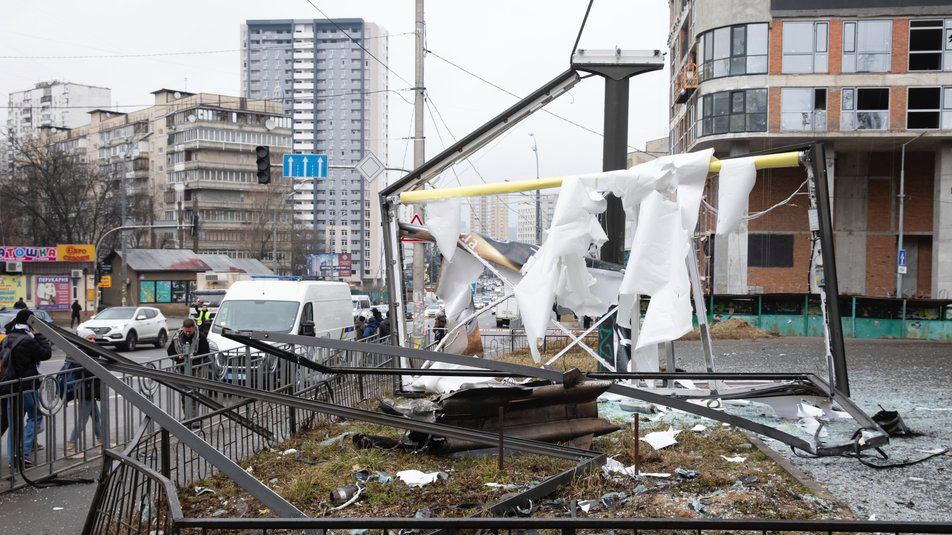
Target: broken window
<point>924,107</point>
<point>769,250</point>
<point>867,46</point>
<point>803,109</point>
<point>865,109</point>
<point>926,45</point>
<point>805,46</point>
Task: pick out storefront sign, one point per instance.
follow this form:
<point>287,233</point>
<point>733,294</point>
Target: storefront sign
<point>51,292</point>
<point>81,252</point>
<point>17,253</point>
<point>12,288</point>
<point>76,252</point>
<point>105,281</point>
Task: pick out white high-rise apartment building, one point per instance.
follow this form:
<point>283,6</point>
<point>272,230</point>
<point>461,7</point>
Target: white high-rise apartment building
<point>53,104</point>
<point>489,215</point>
<point>526,225</point>
<point>336,91</point>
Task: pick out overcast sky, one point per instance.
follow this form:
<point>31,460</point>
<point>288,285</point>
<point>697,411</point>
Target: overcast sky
<point>518,45</point>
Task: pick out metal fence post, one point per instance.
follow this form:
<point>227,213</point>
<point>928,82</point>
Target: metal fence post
<point>106,416</point>
<point>165,455</point>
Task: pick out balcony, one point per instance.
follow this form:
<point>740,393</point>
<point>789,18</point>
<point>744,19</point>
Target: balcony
<point>686,83</point>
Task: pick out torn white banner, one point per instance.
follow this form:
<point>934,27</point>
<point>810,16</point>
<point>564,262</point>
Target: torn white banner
<point>443,222</point>
<point>416,478</point>
<point>734,184</point>
<point>558,267</point>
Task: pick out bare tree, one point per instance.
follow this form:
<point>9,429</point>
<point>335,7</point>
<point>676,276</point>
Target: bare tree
<point>57,197</point>
<point>270,215</point>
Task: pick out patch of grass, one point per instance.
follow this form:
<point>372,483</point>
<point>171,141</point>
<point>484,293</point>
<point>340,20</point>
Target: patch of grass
<point>773,494</point>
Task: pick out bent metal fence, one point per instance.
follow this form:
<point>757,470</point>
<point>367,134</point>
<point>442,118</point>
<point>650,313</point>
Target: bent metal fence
<point>70,415</point>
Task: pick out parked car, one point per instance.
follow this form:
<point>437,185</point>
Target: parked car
<point>126,327</point>
<point>362,306</point>
<point>7,315</point>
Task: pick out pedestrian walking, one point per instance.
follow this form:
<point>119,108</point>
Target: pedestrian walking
<point>20,355</point>
<point>75,317</point>
<point>78,384</point>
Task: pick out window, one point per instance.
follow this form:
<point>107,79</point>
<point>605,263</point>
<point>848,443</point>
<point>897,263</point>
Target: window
<point>805,46</point>
<point>769,250</point>
<point>802,109</point>
<point>924,107</point>
<point>734,111</point>
<point>865,109</point>
<point>867,46</point>
<point>733,51</point>
<point>928,43</point>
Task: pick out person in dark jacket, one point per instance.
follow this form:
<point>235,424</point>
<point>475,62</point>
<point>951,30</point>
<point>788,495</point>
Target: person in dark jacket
<point>439,328</point>
<point>373,324</point>
<point>84,387</point>
<point>19,305</point>
<point>188,342</point>
<point>75,318</point>
<point>29,348</point>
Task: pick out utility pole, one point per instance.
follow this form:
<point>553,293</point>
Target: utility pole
<point>538,194</point>
<point>419,156</point>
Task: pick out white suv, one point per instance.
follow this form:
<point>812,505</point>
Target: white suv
<point>125,327</point>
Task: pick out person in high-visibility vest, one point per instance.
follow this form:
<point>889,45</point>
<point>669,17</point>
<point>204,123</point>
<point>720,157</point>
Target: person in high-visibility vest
<point>204,318</point>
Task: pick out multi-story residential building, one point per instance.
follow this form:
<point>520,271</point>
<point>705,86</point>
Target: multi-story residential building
<point>330,75</point>
<point>526,224</point>
<point>863,77</point>
<point>489,215</point>
<point>194,154</point>
<point>53,104</point>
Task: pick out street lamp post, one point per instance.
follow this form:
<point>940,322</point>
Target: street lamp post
<point>538,194</point>
<point>902,209</point>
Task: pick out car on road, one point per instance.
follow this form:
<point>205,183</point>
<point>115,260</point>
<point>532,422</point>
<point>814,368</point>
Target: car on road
<point>6,316</point>
<point>126,327</point>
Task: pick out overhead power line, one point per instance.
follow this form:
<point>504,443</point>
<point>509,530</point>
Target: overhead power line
<point>553,114</point>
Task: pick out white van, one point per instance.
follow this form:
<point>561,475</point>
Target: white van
<point>362,306</point>
<point>312,308</point>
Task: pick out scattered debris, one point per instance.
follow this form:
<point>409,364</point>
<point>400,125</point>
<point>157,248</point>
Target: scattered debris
<point>681,473</point>
<point>732,329</point>
<point>892,423</point>
<point>339,439</point>
<point>661,439</point>
<point>611,499</point>
<point>416,478</point>
<point>745,481</point>
<point>699,428</point>
<point>734,459</point>
<point>204,490</point>
<point>289,451</point>
<point>57,508</point>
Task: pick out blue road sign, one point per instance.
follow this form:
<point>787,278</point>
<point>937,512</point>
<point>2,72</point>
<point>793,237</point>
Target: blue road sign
<point>305,166</point>
<point>902,257</point>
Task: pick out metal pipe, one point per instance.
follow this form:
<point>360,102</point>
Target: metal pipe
<point>902,206</point>
<point>538,194</point>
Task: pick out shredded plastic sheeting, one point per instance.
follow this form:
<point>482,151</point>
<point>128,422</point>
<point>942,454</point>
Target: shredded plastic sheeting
<point>443,222</point>
<point>661,439</point>
<point>416,478</point>
<point>734,185</point>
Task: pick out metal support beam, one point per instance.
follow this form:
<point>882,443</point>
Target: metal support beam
<point>816,161</point>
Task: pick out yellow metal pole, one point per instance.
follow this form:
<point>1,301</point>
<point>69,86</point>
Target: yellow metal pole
<point>767,161</point>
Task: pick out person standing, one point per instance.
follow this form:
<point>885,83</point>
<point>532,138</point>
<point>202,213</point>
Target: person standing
<point>83,386</point>
<point>75,317</point>
<point>373,324</point>
<point>22,351</point>
<point>204,319</point>
<point>187,343</point>
<point>360,323</point>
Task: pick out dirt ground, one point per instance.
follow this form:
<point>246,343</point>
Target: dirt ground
<point>756,487</point>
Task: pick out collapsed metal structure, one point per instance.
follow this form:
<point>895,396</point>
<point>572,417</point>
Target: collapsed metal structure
<point>834,388</point>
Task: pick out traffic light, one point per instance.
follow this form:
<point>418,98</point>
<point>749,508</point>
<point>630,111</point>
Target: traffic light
<point>263,158</point>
